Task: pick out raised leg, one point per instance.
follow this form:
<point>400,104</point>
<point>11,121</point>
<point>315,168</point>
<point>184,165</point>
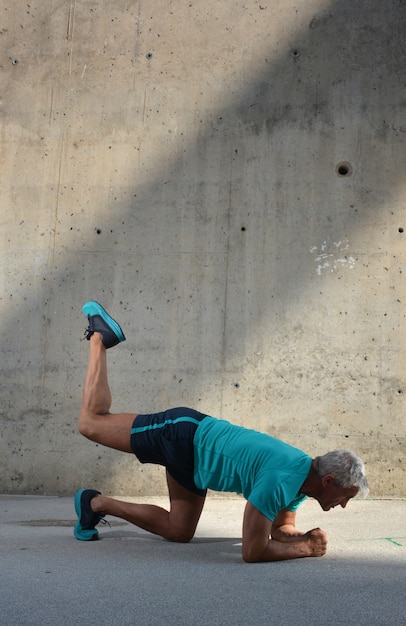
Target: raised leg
<point>96,422</point>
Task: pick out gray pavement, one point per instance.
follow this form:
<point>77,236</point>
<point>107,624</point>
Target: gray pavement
<point>132,577</point>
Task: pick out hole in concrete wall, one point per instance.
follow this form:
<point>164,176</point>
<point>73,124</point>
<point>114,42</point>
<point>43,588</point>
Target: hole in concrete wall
<point>15,61</point>
<point>400,390</point>
<point>401,229</point>
<point>97,231</point>
<point>295,53</point>
<point>344,169</point>
<point>243,228</point>
<point>149,55</point>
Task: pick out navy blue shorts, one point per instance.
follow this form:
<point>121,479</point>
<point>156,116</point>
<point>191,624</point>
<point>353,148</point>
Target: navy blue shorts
<point>167,439</point>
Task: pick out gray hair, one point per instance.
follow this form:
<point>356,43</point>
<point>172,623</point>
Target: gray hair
<point>346,467</point>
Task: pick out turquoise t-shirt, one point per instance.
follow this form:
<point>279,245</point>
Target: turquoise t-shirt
<point>265,470</point>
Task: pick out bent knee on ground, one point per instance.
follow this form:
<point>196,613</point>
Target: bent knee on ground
<point>180,535</point>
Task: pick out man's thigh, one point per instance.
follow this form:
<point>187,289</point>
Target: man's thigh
<point>112,430</point>
<point>186,508</point>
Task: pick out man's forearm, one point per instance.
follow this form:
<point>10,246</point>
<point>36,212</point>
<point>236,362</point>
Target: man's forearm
<point>277,551</point>
<point>311,544</point>
<point>287,534</point>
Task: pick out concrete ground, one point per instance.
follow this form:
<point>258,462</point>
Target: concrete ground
<point>131,577</point>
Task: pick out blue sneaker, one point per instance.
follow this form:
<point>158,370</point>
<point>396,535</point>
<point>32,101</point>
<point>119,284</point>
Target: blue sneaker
<point>84,529</point>
<point>101,322</point>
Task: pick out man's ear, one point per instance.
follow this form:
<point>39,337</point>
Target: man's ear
<point>327,480</point>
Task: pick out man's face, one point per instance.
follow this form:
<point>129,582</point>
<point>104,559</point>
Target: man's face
<point>331,494</point>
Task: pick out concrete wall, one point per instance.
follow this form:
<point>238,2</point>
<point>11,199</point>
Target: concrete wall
<point>179,161</point>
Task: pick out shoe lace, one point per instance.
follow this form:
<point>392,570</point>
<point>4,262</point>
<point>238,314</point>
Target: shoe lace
<point>104,521</point>
<point>87,334</point>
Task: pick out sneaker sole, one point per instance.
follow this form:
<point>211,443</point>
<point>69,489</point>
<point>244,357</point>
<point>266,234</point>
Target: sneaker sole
<point>94,308</point>
<point>83,534</point>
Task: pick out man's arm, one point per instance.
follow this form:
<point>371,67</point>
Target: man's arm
<point>263,540</point>
<point>284,529</point>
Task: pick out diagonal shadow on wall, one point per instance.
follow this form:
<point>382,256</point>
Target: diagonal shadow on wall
<point>221,229</point>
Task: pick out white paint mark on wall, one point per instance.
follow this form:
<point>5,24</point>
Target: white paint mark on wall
<point>329,256</point>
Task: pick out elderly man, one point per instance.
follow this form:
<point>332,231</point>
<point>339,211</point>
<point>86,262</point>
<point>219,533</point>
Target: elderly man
<point>200,452</point>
